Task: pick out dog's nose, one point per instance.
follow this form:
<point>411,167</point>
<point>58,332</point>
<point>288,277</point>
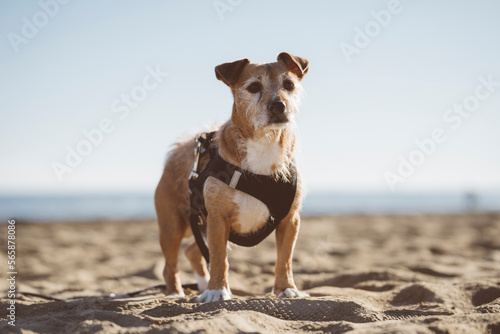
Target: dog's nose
<point>277,107</point>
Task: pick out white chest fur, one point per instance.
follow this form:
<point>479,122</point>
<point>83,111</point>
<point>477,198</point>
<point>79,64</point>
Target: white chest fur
<point>252,213</point>
<point>262,156</point>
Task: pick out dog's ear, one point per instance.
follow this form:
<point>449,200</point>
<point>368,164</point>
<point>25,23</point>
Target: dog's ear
<point>297,65</point>
<point>230,72</point>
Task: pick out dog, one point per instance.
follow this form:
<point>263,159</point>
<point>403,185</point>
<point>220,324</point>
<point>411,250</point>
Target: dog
<point>259,138</point>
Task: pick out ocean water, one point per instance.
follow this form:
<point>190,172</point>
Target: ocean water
<point>141,206</point>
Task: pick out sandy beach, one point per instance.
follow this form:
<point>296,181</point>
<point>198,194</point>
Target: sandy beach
<point>365,274</point>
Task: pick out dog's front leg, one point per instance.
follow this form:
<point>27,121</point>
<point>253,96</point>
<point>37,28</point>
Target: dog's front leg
<point>286,235</point>
<point>218,235</point>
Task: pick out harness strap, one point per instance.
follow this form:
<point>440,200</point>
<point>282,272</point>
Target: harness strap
<point>196,199</point>
<point>277,195</point>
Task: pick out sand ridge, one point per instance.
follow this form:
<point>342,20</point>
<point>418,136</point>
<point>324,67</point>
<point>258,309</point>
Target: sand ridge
<point>377,274</point>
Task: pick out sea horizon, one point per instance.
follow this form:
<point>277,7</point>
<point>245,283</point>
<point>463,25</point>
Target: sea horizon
<point>132,206</point>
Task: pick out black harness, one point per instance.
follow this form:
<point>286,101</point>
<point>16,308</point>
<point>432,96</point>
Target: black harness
<point>277,195</point>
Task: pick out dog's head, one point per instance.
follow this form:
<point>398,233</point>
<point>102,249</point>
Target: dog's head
<point>266,96</point>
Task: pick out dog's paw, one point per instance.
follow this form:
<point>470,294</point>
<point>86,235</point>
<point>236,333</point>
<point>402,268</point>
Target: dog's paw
<point>177,294</point>
<point>202,281</point>
<point>292,293</point>
<point>214,295</point>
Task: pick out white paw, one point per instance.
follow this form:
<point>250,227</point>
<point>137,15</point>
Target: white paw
<point>292,293</point>
<point>202,281</point>
<point>214,296</point>
<point>177,294</point>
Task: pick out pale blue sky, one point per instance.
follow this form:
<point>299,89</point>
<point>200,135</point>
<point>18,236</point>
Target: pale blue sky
<point>357,117</point>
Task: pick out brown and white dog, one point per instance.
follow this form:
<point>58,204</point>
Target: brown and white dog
<point>259,138</point>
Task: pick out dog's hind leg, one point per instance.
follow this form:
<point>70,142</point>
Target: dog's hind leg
<point>199,265</point>
<point>172,230</point>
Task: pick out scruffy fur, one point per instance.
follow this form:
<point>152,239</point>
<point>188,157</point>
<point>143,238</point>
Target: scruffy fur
<point>259,137</point>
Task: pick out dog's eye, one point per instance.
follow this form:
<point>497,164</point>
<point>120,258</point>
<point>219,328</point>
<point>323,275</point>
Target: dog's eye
<point>254,87</point>
<point>288,85</point>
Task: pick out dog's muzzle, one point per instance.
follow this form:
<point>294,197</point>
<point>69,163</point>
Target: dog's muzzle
<point>277,111</point>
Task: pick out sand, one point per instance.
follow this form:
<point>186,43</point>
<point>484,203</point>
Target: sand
<point>365,274</point>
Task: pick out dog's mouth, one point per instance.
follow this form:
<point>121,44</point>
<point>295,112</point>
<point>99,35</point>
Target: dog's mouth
<point>278,124</point>
<point>281,118</point>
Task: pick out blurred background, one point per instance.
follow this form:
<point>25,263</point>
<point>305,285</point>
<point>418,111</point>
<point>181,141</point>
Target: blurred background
<point>401,112</point>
